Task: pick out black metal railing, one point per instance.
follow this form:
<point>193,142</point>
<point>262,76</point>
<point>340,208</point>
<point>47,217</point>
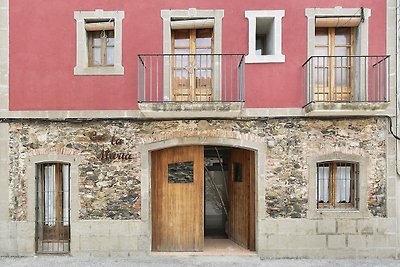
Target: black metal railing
<point>346,79</point>
<point>191,78</point>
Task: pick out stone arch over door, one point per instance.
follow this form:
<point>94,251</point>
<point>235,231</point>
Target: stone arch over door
<point>260,153</point>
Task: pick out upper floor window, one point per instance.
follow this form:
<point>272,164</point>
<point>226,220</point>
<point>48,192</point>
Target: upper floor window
<point>339,68</point>
<point>194,38</point>
<point>265,36</point>
<point>192,65</point>
<point>336,185</point>
<point>99,42</point>
<point>334,48</point>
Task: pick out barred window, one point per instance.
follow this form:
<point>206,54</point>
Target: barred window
<point>336,185</point>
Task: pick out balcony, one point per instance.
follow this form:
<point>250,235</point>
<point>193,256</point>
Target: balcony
<point>191,82</point>
<point>346,83</point>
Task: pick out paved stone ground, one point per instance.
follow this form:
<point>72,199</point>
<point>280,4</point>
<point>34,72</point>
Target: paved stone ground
<point>155,261</point>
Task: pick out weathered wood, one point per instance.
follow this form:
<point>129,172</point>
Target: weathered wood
<point>99,26</point>
<point>241,199</point>
<point>177,208</point>
<point>338,22</point>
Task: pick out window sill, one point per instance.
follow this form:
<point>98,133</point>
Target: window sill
<point>265,59</point>
<point>191,110</point>
<point>112,70</point>
<point>345,108</point>
<point>337,213</point>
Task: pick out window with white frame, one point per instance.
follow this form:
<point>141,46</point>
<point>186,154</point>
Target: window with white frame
<point>99,42</point>
<point>265,36</point>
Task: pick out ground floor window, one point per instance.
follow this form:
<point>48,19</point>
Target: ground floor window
<point>53,208</point>
<point>336,185</point>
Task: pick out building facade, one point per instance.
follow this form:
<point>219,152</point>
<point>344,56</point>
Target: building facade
<point>133,128</point>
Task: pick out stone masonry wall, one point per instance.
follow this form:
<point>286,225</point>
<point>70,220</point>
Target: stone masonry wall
<point>109,181</point>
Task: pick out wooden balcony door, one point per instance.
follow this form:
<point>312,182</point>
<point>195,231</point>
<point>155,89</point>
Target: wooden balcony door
<point>241,217</point>
<point>177,190</point>
<point>333,77</point>
<point>192,65</point>
<point>53,208</point>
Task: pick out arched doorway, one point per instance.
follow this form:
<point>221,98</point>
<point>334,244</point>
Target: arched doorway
<point>200,191</point>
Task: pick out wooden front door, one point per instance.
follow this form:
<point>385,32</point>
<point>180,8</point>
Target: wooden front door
<point>192,65</point>
<point>177,199</point>
<point>241,198</point>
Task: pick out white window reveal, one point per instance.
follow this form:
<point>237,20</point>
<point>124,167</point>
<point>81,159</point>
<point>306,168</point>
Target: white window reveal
<point>265,36</point>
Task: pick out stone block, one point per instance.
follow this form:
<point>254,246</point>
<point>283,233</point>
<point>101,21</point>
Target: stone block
<point>306,241</point>
<point>139,228</point>
<point>385,225</point>
<point>377,241</point>
<point>101,243</point>
<point>377,253</point>
<point>81,228</point>
<point>12,229</point>
<point>269,226</point>
<point>99,253</point>
<point>305,226</point>
<point>120,254</point>
<point>113,242</point>
<point>144,244</point>
<point>25,230</point>
<point>286,226</point>
<point>346,226</point>
<point>336,241</point>
<point>357,241</point>
<point>277,241</point>
<point>119,228</point>
<point>326,226</point>
<point>3,229</point>
<point>87,243</point>
<point>391,240</point>
<point>391,207</point>
<point>26,246</point>
<point>365,227</point>
<point>100,228</point>
<point>3,18</point>
<point>128,243</point>
<point>4,247</point>
<point>4,155</point>
<point>391,188</point>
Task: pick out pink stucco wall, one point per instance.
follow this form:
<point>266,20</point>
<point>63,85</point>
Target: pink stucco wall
<point>43,50</point>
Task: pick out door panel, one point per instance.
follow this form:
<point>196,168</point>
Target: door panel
<point>241,198</point>
<point>177,199</point>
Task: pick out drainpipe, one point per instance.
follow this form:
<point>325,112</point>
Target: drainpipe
<point>397,83</point>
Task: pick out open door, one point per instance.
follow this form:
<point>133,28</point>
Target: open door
<point>241,198</point>
<point>178,199</point>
